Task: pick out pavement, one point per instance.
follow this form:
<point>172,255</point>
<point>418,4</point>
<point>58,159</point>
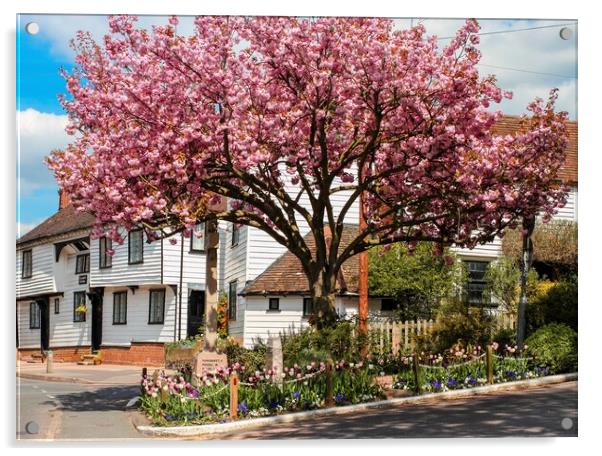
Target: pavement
<point>71,411</point>
<point>103,374</point>
<point>548,411</point>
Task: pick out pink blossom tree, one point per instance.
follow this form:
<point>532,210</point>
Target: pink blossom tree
<point>283,116</point>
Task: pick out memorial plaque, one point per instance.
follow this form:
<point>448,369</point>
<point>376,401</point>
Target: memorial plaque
<point>209,362</point>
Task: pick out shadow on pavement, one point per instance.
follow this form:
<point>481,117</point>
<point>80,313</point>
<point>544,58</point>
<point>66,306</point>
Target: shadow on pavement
<point>98,400</point>
<point>518,414</point>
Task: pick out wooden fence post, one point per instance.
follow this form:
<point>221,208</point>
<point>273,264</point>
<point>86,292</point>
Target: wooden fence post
<point>489,363</point>
<point>234,395</point>
<point>416,369</point>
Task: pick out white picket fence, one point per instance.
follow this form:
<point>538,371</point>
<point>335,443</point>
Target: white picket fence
<point>400,335</point>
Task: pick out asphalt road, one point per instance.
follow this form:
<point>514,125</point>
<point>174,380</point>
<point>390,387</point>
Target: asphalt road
<point>69,411</point>
<point>536,412</point>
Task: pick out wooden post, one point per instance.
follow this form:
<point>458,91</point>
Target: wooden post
<point>329,399</point>
<point>234,396</point>
<point>489,364</point>
<point>416,369</point>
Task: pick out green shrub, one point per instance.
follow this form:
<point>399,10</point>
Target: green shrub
<point>558,304</point>
<point>336,342</point>
<point>554,346</point>
<point>253,359</point>
<point>505,336</point>
<point>457,323</point>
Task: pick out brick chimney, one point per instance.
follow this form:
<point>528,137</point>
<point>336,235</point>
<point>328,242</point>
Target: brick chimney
<point>64,199</point>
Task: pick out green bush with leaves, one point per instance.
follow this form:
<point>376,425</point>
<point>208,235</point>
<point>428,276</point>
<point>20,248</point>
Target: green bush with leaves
<point>253,359</point>
<point>457,323</point>
<point>554,346</point>
<point>558,304</point>
<point>417,279</point>
<point>503,284</point>
<point>336,342</point>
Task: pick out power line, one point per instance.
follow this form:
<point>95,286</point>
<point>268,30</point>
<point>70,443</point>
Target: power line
<point>513,31</point>
<point>528,71</point>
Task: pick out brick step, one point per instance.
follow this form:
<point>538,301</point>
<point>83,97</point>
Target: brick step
<point>86,363</point>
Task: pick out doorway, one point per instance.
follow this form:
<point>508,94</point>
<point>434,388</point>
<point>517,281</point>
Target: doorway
<point>43,304</point>
<point>96,298</point>
<point>196,312</point>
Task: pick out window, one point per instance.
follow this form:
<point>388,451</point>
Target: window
<point>156,307</point>
<point>106,260</point>
<point>388,304</point>
<point>235,234</point>
<point>308,307</point>
<point>197,238</point>
<point>82,280</point>
<point>82,263</point>
<point>34,315</point>
<point>274,304</point>
<point>232,301</point>
<point>57,302</point>
<point>476,282</point>
<point>135,247</point>
<point>79,299</point>
<point>27,268</point>
<point>120,307</point>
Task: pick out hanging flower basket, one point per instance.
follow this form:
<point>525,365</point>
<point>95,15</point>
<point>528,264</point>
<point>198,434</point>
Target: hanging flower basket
<point>81,309</point>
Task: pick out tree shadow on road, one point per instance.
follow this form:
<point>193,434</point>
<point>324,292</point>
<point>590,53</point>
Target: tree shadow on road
<point>519,414</point>
<point>98,400</point>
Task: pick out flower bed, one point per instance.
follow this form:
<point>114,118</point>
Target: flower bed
<point>172,400</point>
<point>459,368</point>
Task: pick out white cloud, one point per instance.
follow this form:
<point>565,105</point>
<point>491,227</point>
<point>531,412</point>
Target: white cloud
<point>24,228</point>
<point>39,134</point>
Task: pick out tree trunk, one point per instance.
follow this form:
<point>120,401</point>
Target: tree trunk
<point>526,260</point>
<point>323,295</point>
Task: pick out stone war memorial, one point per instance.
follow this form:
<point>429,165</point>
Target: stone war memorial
<point>208,359</point>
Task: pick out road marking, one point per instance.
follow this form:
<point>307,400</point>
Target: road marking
<point>50,396</point>
<point>43,391</point>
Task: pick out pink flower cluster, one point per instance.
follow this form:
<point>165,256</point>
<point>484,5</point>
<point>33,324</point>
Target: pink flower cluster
<point>169,385</point>
<point>169,124</point>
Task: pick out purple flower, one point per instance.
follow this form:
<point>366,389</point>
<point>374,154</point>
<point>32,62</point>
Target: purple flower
<point>242,408</point>
<point>296,395</point>
<point>436,384</point>
<point>339,397</point>
<point>451,382</point>
<point>472,381</point>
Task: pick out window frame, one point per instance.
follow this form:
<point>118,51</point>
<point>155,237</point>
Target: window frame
<point>151,292</point>
<point>305,307</point>
<point>481,282</point>
<point>57,306</point>
<point>86,263</point>
<point>77,315</point>
<point>33,323</point>
<point>137,230</point>
<point>123,294</point>
<point>235,235</point>
<point>105,261</point>
<point>193,238</point>
<point>277,307</point>
<point>29,254</point>
<point>390,303</point>
<point>232,296</point>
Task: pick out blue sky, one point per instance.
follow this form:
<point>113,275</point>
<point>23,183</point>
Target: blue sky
<point>528,62</point>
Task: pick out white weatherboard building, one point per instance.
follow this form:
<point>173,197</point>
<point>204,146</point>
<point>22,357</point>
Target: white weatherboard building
<point>73,298</point>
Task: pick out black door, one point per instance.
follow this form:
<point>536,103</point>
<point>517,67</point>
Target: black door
<point>196,311</point>
<point>96,300</point>
<point>44,323</point>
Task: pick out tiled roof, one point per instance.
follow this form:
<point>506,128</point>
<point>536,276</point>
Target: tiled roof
<point>286,276</point>
<point>509,124</point>
<point>64,221</point>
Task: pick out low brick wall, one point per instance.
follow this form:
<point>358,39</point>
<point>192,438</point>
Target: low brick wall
<point>137,354</point>
<point>60,354</point>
